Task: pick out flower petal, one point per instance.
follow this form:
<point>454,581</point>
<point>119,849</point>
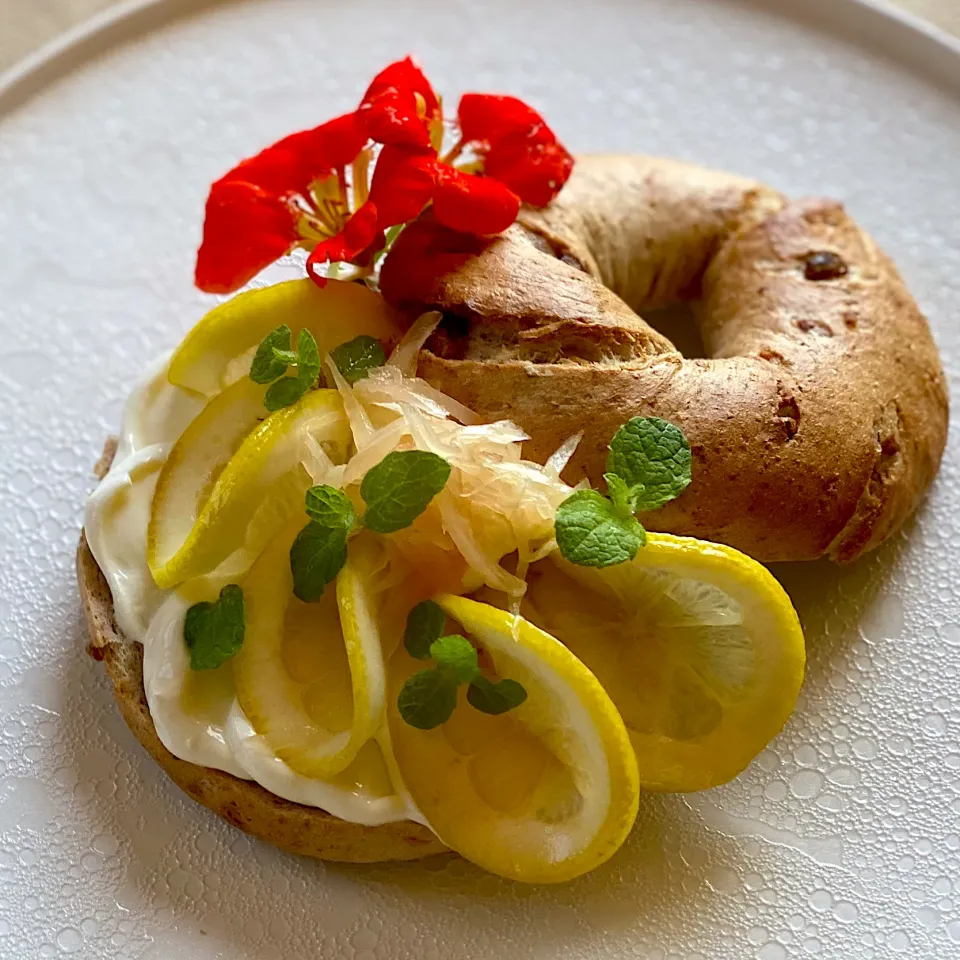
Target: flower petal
<point>352,244</point>
<point>486,118</point>
<point>390,111</point>
<point>289,165</point>
<point>520,150</point>
<point>473,204</point>
<point>535,171</point>
<point>424,253</point>
<point>403,182</point>
<point>246,229</point>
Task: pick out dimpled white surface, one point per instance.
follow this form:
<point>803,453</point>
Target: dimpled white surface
<point>842,839</point>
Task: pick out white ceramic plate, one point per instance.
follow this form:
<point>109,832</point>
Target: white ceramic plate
<point>842,840</point>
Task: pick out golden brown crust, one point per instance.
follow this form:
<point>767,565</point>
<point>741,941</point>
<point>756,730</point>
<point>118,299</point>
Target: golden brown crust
<point>291,826</point>
<point>819,420</point>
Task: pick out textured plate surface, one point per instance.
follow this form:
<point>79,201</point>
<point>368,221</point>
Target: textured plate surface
<point>842,840</point>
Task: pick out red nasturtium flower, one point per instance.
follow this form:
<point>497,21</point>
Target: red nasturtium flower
<point>292,194</point>
<point>313,189</point>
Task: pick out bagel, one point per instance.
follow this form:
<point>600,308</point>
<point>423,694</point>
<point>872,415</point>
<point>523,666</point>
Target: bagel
<point>291,826</point>
<point>819,417</point>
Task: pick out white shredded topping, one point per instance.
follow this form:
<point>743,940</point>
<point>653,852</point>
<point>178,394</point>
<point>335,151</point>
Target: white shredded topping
<point>360,424</point>
<point>496,505</point>
<point>562,455</point>
<point>404,357</point>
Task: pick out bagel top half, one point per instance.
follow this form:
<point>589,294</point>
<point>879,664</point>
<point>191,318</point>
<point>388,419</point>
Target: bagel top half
<point>817,421</point>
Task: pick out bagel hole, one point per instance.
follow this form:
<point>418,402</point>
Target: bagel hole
<point>679,325</point>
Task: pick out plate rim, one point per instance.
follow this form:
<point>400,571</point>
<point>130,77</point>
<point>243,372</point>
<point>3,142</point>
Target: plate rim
<point>111,27</point>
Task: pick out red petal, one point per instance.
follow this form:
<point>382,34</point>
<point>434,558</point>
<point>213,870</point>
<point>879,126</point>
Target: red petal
<point>403,182</point>
<point>486,118</point>
<point>356,237</point>
<point>289,165</point>
<point>473,204</point>
<point>388,109</point>
<point>405,76</point>
<point>245,230</point>
<point>423,253</point>
<point>535,171</point>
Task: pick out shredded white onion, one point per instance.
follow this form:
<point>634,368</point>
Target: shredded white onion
<point>318,463</point>
<point>405,355</point>
<point>562,455</point>
<point>387,387</point>
<point>382,442</point>
<point>360,424</point>
<point>495,503</point>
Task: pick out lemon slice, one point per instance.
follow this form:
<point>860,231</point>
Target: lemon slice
<point>207,503</point>
<point>339,312</point>
<point>541,794</point>
<point>697,645</point>
<point>310,677</point>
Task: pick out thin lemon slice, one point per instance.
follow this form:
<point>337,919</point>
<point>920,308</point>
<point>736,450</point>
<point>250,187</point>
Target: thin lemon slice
<point>541,794</point>
<point>697,645</point>
<point>337,313</point>
<point>310,677</point>
<point>199,518</point>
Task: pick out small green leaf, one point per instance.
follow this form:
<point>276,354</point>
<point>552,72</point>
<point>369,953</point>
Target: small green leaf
<point>456,656</point>
<point>213,632</point>
<point>621,496</point>
<point>308,359</point>
<point>399,488</point>
<point>652,455</point>
<point>330,507</point>
<point>389,238</point>
<point>424,625</point>
<point>288,357</point>
<point>316,557</point>
<point>267,366</point>
<point>355,358</point>
<point>284,392</point>
<point>495,698</point>
<point>590,533</point>
<point>427,699</point>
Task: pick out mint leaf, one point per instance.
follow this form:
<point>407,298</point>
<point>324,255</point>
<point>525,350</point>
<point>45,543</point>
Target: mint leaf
<point>590,533</point>
<point>213,632</point>
<point>308,359</point>
<point>621,496</point>
<point>288,357</point>
<point>456,656</point>
<point>653,456</point>
<point>355,358</point>
<point>330,507</point>
<point>289,390</point>
<point>316,557</point>
<point>424,625</point>
<point>267,366</point>
<point>427,699</point>
<point>495,698</point>
<point>399,488</point>
<point>283,393</point>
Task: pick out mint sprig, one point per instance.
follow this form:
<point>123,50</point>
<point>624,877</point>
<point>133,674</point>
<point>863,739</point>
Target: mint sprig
<point>213,632</point>
<point>592,532</point>
<point>424,625</point>
<point>429,697</point>
<point>399,488</point>
<point>653,458</point>
<point>649,464</point>
<point>357,357</point>
<point>396,491</point>
<point>274,357</point>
